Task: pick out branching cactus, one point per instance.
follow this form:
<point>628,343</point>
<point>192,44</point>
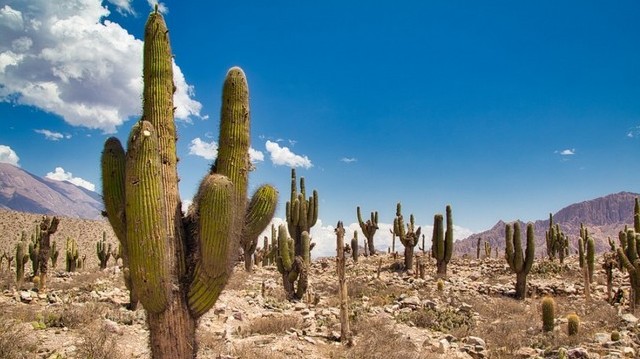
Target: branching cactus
<point>520,261</point>
<point>179,266</point>
<point>47,228</point>
<point>408,236</point>
<point>103,250</point>
<point>557,242</point>
<point>294,268</point>
<point>586,252</point>
<point>442,242</point>
<point>72,255</point>
<point>302,213</point>
<point>629,260</point>
<point>22,256</point>
<point>369,229</point>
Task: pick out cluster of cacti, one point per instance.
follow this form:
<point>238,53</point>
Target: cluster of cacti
<point>294,268</point>
<point>557,241</point>
<point>586,252</point>
<point>548,313</point>
<point>103,250</point>
<point>408,236</point>
<point>520,261</point>
<point>301,212</point>
<point>369,229</point>
<point>442,241</point>
<point>72,256</point>
<point>34,251</point>
<point>628,259</point>
<point>179,266</point>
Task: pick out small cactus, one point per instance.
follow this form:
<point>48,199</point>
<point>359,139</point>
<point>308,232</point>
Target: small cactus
<point>103,250</point>
<point>440,285</point>
<point>573,324</point>
<point>548,313</point>
<point>72,255</point>
<point>615,336</point>
<point>22,256</point>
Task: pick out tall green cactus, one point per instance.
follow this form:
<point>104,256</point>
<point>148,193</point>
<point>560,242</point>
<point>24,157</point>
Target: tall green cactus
<point>586,251</point>
<point>72,255</point>
<point>103,250</point>
<point>34,252</point>
<point>369,229</point>
<point>520,262</point>
<point>629,259</point>
<point>408,236</point>
<point>179,266</point>
<point>294,268</point>
<point>302,213</point>
<point>557,242</point>
<point>442,241</point>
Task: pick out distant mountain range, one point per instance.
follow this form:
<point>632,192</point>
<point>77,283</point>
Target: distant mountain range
<point>26,192</point>
<point>604,217</point>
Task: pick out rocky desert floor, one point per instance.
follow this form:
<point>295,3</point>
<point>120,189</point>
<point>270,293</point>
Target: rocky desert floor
<point>393,314</point>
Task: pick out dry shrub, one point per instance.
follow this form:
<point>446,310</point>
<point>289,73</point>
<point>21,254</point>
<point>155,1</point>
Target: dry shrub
<point>98,343</point>
<point>15,341</point>
<point>251,351</point>
<point>73,316</point>
<point>271,325</point>
<point>377,338</point>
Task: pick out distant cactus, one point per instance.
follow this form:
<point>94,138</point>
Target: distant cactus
<point>548,313</point>
<point>557,241</point>
<point>520,262</point>
<point>573,324</point>
<point>301,212</point>
<point>487,249</point>
<point>408,236</point>
<point>442,242</point>
<point>72,255</point>
<point>47,228</point>
<point>34,252</point>
<point>628,259</point>
<point>369,229</point>
<point>103,251</point>
<point>393,241</point>
<point>586,251</point>
<point>294,268</point>
<point>343,293</point>
<point>54,254</point>
<point>354,246</point>
<point>22,256</point>
<point>478,247</point>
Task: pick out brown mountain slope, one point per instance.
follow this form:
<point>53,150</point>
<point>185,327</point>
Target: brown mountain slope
<point>603,216</point>
<point>23,191</point>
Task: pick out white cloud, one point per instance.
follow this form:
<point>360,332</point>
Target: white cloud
<point>209,150</point>
<point>7,155</point>
<point>60,174</point>
<point>568,152</point>
<point>634,132</point>
<point>68,59</point>
<point>206,150</point>
<point>348,159</point>
<point>325,238</point>
<point>123,6</point>
<point>162,8</point>
<point>186,203</point>
<point>284,157</point>
<point>52,136</point>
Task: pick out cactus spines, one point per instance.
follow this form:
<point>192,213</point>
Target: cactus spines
<point>408,236</point>
<point>354,246</point>
<point>520,262</point>
<point>548,313</point>
<point>573,324</point>
<point>103,250</point>
<point>369,229</point>
<point>442,246</point>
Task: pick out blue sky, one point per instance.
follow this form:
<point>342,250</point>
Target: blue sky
<point>502,109</point>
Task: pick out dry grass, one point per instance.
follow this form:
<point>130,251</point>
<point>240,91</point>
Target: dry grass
<point>15,343</point>
<point>98,343</point>
<point>270,325</point>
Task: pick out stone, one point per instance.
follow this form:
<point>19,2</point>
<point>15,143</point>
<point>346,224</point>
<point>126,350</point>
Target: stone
<point>629,318</point>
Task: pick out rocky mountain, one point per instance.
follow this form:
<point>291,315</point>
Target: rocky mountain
<point>603,216</point>
<point>26,192</point>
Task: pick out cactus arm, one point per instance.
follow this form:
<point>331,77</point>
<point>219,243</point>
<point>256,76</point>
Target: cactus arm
<point>448,245</point>
<point>149,259</point>
<point>509,251</point>
<point>113,175</point>
<point>214,205</point>
<point>518,259</point>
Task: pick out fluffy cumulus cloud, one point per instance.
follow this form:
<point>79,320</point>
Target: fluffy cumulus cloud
<point>209,150</point>
<point>123,6</point>
<point>323,235</point>
<point>59,174</point>
<point>52,136</point>
<point>7,155</point>
<point>161,6</point>
<point>68,59</point>
<point>567,152</point>
<point>282,156</point>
